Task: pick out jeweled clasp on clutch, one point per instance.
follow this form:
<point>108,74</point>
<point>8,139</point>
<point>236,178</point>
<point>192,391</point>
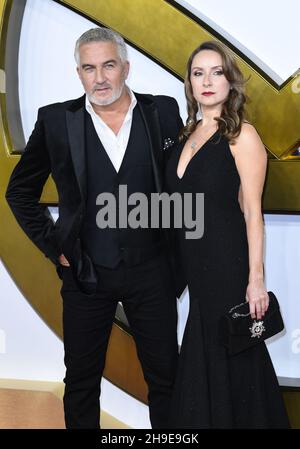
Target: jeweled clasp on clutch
<point>257,329</point>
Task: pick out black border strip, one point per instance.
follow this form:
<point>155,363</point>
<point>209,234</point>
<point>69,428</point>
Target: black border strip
<point>11,67</point>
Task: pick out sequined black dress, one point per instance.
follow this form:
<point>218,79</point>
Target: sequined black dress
<point>213,390</point>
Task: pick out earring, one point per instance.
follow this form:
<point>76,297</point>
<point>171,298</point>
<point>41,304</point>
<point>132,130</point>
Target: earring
<point>199,113</point>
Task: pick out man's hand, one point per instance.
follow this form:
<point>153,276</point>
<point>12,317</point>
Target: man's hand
<point>63,261</point>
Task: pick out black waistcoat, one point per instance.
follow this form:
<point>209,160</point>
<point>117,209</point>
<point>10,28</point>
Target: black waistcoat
<point>107,247</point>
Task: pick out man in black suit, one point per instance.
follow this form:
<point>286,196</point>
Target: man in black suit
<point>107,138</point>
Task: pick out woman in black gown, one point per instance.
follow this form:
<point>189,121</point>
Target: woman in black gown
<point>223,157</point>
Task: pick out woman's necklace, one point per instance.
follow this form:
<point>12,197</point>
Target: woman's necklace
<point>194,145</point>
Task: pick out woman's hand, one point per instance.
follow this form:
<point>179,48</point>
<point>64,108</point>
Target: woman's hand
<point>258,299</point>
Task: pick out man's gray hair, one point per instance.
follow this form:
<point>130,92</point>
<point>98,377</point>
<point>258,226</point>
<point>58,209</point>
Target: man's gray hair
<point>101,34</point>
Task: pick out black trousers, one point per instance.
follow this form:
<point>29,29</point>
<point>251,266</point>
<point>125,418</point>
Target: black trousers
<point>149,301</point>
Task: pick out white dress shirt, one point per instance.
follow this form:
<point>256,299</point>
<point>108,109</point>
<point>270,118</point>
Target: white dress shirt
<point>114,145</point>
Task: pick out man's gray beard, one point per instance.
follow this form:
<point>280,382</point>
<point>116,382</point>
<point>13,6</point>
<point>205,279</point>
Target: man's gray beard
<point>112,99</point>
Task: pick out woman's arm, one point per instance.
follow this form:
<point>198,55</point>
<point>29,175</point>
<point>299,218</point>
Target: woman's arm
<point>251,162</point>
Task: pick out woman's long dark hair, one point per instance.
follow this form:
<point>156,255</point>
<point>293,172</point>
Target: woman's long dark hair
<point>233,110</point>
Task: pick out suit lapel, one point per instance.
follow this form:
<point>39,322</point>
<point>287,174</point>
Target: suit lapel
<point>75,127</point>
<point>149,114</point>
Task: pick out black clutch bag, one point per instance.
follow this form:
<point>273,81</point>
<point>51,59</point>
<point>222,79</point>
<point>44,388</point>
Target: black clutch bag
<point>238,331</point>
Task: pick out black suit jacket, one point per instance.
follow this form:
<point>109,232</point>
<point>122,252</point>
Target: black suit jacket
<point>57,146</point>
